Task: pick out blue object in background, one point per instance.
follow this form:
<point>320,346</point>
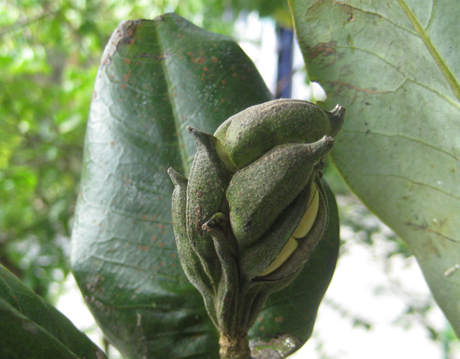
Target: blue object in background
<point>285,38</point>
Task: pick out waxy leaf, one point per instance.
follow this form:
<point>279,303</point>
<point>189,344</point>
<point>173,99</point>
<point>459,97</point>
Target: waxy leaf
<point>394,66</point>
<point>30,327</point>
<point>156,77</point>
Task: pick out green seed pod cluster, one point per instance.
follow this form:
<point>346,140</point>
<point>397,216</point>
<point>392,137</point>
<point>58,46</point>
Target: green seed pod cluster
<point>253,208</point>
<point>250,133</point>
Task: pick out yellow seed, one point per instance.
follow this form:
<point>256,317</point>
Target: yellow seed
<point>310,214</point>
<point>287,250</point>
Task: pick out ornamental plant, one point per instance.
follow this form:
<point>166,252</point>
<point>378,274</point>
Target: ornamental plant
<point>156,117</point>
<point>203,227</point>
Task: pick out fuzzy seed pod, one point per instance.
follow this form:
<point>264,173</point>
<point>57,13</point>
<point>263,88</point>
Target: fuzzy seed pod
<point>253,208</point>
<point>258,193</point>
<point>252,132</point>
<point>205,197</point>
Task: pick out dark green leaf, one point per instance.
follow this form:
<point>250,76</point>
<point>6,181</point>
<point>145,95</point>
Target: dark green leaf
<point>32,328</point>
<point>156,78</point>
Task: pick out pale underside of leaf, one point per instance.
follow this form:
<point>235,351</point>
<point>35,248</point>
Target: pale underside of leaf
<point>393,65</point>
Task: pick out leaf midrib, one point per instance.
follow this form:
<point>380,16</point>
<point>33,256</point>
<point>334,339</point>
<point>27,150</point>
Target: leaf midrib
<point>177,122</point>
<point>432,49</point>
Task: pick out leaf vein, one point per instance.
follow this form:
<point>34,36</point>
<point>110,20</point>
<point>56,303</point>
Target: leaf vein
<point>123,213</point>
<point>137,268</point>
<point>409,139</point>
<point>407,77</point>
<point>411,181</point>
<point>374,13</point>
<point>432,49</point>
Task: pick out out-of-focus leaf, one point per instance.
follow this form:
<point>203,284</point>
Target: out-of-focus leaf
<point>30,327</point>
<point>394,66</point>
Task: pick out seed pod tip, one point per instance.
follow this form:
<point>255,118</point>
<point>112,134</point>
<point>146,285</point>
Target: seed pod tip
<point>175,176</point>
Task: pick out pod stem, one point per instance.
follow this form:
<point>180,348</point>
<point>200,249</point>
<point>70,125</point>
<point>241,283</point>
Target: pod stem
<point>234,347</point>
<point>228,291</point>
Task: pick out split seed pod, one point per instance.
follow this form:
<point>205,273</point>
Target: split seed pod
<point>253,208</point>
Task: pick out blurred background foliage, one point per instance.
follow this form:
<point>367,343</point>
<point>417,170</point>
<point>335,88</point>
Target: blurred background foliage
<point>49,55</point>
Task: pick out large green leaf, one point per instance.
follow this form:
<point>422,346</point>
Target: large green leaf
<point>394,66</point>
<point>30,327</point>
<point>157,77</point>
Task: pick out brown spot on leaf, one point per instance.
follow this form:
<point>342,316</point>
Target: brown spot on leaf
<point>323,49</point>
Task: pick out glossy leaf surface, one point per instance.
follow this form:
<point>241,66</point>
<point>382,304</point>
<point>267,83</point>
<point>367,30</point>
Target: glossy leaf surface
<point>156,78</point>
<point>30,327</point>
<point>394,66</point>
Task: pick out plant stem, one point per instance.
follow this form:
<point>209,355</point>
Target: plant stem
<point>234,347</point>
